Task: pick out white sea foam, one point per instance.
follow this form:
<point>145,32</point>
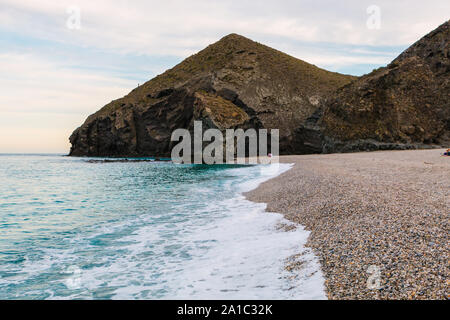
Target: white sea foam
<point>248,261</point>
<point>191,239</point>
<point>245,258</point>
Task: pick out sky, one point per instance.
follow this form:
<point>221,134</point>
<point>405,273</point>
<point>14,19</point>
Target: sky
<point>61,61</point>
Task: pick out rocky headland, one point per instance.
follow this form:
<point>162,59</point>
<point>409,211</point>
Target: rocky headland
<point>234,83</point>
<point>239,83</point>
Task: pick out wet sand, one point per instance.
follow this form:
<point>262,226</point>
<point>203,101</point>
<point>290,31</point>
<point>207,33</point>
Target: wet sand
<point>371,212</point>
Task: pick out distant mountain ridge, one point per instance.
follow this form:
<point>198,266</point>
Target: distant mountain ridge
<point>233,83</point>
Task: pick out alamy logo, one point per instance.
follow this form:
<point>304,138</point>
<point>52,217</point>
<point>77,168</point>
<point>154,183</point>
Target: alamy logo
<point>74,281</point>
<point>374,20</point>
<point>374,280</point>
<point>232,151</point>
<point>74,20</point>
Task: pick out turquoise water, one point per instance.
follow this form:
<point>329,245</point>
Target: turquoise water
<point>71,229</point>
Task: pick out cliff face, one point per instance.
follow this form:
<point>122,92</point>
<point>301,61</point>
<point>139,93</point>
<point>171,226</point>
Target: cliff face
<point>404,105</point>
<point>234,83</point>
<point>238,83</point>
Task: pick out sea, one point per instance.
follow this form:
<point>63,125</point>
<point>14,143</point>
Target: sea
<point>82,228</point>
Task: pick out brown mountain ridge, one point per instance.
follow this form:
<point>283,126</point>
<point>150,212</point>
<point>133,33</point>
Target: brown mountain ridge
<point>233,83</point>
<point>402,106</point>
<point>239,83</point>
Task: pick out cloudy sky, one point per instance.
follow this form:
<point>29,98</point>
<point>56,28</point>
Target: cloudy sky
<point>58,66</point>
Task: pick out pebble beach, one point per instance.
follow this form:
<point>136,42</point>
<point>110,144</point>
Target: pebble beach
<point>379,221</point>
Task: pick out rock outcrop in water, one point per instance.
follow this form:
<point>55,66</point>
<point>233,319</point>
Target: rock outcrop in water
<point>401,106</point>
<point>234,83</point>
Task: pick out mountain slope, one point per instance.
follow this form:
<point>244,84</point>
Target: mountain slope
<point>233,83</point>
<point>404,105</point>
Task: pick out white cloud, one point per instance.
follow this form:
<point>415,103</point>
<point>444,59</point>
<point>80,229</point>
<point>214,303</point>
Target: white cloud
<point>340,61</point>
<point>44,99</point>
<point>36,132</point>
<point>181,27</point>
<point>30,82</point>
<point>44,96</point>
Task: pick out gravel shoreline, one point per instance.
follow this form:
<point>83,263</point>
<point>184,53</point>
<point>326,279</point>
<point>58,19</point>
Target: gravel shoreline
<point>386,211</point>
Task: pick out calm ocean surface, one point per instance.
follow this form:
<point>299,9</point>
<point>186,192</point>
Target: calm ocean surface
<point>70,229</point>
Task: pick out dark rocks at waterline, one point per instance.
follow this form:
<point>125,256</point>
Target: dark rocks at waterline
<point>126,160</point>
